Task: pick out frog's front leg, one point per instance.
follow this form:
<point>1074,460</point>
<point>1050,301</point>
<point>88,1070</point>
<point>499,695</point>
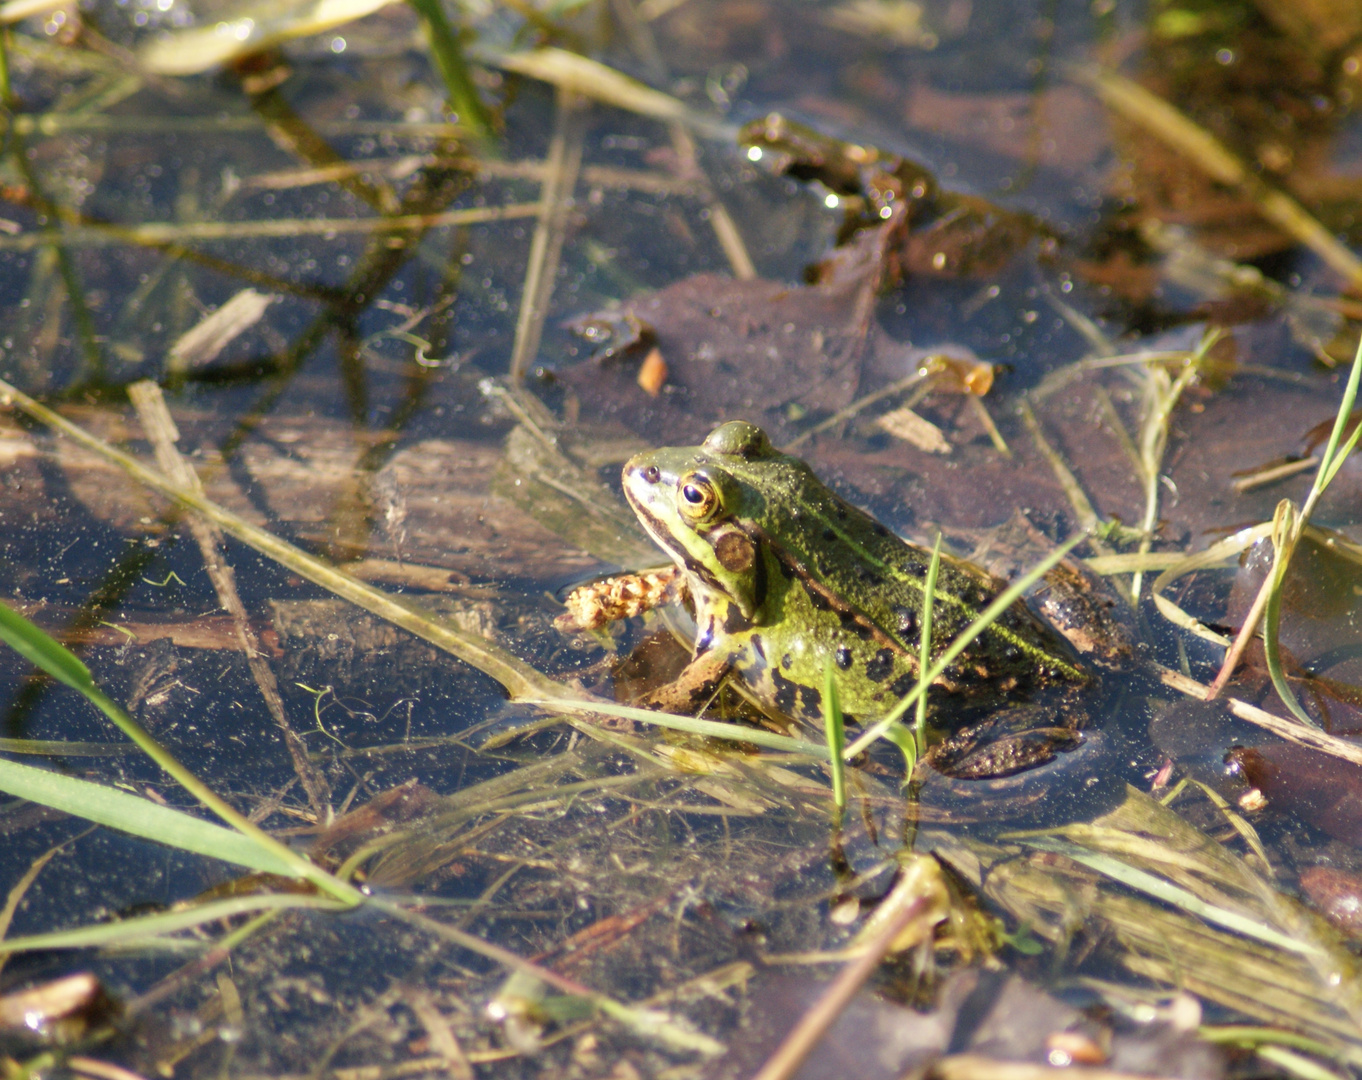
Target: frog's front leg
<point>591,606</point>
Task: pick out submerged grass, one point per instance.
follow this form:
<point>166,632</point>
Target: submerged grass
<point>46,653</point>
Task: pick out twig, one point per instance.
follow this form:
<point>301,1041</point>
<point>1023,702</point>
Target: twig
<point>842,415</point>
<point>1078,499</point>
<point>720,220</point>
<point>151,409</point>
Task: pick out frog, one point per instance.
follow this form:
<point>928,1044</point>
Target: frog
<point>789,581</point>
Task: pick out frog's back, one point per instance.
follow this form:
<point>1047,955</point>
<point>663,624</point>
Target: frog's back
<point>879,578</point>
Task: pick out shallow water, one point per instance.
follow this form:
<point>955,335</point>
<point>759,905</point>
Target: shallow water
<point>365,411</point>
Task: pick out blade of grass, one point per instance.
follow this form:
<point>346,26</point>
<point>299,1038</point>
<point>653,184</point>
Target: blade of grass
<point>924,653</point>
<point>1288,526</point>
<point>138,816</point>
<point>595,80</point>
<point>153,233</point>
<point>1004,600</point>
<point>1199,146</point>
<point>1331,460</point>
<point>46,653</point>
<point>1285,534</point>
<point>1161,397</point>
<point>546,245</point>
<point>449,58</point>
<point>146,927</point>
<point>712,729</point>
<point>1161,889</point>
<point>836,731</point>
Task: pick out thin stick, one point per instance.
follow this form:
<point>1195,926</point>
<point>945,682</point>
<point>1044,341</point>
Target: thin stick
<point>151,409</point>
<point>856,406</point>
<point>720,220</point>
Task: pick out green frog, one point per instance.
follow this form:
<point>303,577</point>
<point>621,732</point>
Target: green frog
<point>787,578</point>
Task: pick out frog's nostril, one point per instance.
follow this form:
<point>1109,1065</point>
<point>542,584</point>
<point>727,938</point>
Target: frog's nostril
<point>652,474</point>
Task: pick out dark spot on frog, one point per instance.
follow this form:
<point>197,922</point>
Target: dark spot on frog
<point>843,658</point>
<point>869,576</point>
<point>758,647</point>
<point>881,666</point>
<point>812,700</point>
<point>787,693</point>
<point>841,512</point>
<point>829,535</point>
<point>786,661</point>
<point>735,622</point>
<point>880,530</point>
<point>907,619</point>
<point>903,684</point>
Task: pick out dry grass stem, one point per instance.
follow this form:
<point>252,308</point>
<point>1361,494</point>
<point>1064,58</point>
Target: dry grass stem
<point>814,1024</point>
<point>519,678</point>
<point>1172,127</point>
<point>1291,730</point>
<point>156,233</point>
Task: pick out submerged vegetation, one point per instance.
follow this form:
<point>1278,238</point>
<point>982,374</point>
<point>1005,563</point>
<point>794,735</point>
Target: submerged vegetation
<point>371,303</point>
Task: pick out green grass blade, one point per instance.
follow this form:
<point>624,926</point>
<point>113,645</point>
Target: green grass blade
<point>145,927</point>
<point>49,655</point>
<point>713,729</point>
<point>138,816</point>
<point>924,654</point>
<point>1161,889</point>
<point>1328,473</point>
<point>836,731</point>
<point>43,651</point>
<point>1272,654</point>
<point>1329,462</point>
<point>453,66</point>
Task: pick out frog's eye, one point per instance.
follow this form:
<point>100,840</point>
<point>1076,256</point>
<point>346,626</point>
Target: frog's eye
<point>697,498</point>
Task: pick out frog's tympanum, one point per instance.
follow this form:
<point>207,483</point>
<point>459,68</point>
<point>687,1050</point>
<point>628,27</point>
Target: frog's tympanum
<point>787,578</point>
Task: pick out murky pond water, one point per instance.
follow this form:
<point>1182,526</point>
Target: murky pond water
<point>1000,274</point>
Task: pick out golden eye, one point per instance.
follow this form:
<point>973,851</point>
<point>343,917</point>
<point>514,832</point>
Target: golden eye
<point>697,498</point>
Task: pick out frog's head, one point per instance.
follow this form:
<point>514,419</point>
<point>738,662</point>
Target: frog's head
<point>697,503</point>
